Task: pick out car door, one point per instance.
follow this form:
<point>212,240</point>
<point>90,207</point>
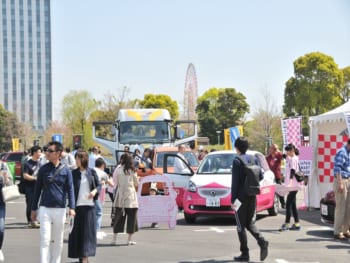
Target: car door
<point>178,180</point>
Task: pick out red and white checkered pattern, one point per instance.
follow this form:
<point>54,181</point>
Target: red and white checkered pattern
<point>327,147</point>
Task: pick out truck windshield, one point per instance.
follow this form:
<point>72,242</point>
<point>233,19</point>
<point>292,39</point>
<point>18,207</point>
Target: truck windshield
<point>138,132</point>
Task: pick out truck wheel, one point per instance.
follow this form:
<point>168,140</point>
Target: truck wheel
<point>273,211</point>
<point>189,218</point>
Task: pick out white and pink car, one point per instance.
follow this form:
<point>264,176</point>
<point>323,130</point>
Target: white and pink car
<point>208,191</point>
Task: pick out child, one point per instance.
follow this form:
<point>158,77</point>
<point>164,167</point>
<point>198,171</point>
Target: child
<point>153,191</point>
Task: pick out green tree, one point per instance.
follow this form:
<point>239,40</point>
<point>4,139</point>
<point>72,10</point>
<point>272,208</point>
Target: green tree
<point>265,128</point>
<point>218,109</point>
<point>77,107</point>
<point>160,101</point>
<point>345,91</point>
<point>10,128</point>
<point>315,88</point>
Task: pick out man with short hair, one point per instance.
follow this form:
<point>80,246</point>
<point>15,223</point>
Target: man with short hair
<point>54,184</point>
<point>246,212</point>
<point>341,190</point>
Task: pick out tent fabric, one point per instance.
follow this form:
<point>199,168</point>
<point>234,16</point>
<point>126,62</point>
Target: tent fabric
<point>332,122</point>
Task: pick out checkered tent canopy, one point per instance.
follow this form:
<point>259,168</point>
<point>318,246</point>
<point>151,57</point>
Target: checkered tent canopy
<point>328,132</point>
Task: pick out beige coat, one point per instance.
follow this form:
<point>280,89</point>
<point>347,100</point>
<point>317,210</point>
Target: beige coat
<point>126,196</point>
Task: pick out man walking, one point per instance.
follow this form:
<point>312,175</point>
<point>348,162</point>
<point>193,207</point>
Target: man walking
<point>341,191</point>
<point>54,183</point>
<point>244,205</point>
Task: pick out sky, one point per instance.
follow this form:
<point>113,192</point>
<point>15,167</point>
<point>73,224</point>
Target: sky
<point>146,45</point>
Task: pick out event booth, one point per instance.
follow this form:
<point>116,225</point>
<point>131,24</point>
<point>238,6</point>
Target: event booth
<point>328,132</point>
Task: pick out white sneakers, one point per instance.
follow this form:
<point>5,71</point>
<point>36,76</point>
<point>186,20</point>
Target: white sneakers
<point>100,235</point>
<point>2,258</point>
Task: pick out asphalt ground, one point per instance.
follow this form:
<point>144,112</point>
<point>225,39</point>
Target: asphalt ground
<point>209,240</point>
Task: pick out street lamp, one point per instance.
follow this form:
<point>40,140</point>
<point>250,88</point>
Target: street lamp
<point>218,133</point>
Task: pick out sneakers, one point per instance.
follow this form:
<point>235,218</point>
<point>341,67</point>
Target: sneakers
<point>114,240</point>
<point>2,258</point>
<point>284,227</point>
<point>154,225</point>
<point>241,258</point>
<point>100,235</point>
<point>264,250</point>
<point>131,243</point>
<point>295,227</point>
<point>340,236</point>
<point>34,224</point>
<point>347,234</point>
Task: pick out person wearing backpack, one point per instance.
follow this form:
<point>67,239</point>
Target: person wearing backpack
<point>244,204</point>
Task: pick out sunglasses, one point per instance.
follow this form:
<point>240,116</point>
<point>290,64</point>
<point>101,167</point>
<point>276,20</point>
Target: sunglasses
<point>51,151</point>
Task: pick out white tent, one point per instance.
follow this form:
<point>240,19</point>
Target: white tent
<point>333,122</point>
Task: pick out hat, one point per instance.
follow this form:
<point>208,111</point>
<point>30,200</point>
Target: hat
<point>200,147</point>
<point>153,187</point>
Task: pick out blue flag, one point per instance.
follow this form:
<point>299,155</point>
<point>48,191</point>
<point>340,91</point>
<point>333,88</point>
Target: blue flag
<point>234,134</point>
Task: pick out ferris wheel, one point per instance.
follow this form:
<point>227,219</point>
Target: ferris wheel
<point>191,94</point>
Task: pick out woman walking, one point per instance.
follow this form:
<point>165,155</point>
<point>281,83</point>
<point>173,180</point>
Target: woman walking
<point>5,180</point>
<point>292,166</point>
<point>82,239</point>
<point>125,202</point>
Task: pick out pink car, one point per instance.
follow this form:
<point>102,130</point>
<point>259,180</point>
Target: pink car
<point>209,189</point>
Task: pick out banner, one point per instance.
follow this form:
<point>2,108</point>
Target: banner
<point>291,131</point>
<point>15,144</point>
<point>305,159</point>
<point>57,138</point>
<point>234,134</point>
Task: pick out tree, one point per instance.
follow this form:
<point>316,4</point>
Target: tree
<point>345,91</point>
<point>77,107</point>
<point>109,107</point>
<point>160,101</point>
<point>315,88</point>
<point>265,128</point>
<point>218,109</point>
<point>10,128</point>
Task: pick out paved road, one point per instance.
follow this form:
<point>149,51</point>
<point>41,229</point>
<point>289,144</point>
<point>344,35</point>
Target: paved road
<point>208,241</point>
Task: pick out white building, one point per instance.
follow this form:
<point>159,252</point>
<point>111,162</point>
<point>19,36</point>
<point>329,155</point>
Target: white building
<point>25,60</point>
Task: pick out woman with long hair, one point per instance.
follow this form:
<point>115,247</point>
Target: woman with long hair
<point>125,203</point>
<point>82,238</point>
<point>292,166</point>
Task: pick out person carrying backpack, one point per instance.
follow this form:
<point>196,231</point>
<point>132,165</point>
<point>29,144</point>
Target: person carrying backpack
<point>243,201</point>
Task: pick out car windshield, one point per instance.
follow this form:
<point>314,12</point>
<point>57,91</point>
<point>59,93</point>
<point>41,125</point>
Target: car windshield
<point>217,164</point>
<point>190,156</point>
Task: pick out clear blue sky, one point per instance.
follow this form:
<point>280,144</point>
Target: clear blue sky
<point>146,45</point>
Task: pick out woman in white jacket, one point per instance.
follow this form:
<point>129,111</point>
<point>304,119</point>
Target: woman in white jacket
<point>125,202</point>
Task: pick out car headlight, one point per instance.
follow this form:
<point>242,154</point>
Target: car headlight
<point>192,186</point>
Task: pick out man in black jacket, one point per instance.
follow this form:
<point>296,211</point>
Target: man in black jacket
<point>245,207</point>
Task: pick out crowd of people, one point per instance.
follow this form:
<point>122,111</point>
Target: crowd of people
<point>54,178</point>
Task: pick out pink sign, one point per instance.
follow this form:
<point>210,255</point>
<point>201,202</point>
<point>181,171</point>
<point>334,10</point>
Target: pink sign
<point>157,208</point>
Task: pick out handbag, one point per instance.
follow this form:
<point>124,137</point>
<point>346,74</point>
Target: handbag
<point>299,176</point>
<point>10,193</point>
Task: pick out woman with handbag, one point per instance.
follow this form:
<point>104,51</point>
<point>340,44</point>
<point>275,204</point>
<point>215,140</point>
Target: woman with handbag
<point>292,166</point>
<point>5,179</point>
<point>82,238</point>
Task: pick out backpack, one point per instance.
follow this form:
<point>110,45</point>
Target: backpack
<point>252,173</point>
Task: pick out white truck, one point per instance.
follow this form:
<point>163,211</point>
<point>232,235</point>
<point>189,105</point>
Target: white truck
<point>141,128</point>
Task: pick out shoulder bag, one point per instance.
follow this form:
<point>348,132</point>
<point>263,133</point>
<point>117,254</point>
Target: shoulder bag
<point>10,192</point>
<point>299,175</point>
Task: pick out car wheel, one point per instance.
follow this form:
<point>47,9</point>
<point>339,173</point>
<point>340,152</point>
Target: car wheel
<point>189,218</point>
<point>273,211</point>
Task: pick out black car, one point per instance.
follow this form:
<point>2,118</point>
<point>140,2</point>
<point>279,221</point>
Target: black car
<point>327,205</point>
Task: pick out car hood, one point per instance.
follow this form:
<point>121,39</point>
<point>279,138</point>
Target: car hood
<point>212,179</point>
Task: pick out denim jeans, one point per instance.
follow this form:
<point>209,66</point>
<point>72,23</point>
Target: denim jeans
<point>98,207</point>
<point>2,223</point>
